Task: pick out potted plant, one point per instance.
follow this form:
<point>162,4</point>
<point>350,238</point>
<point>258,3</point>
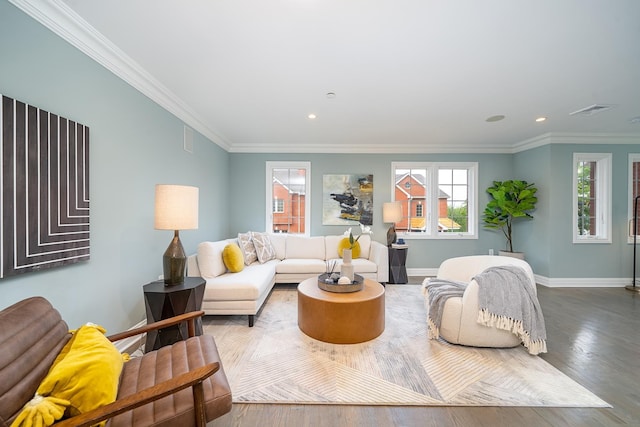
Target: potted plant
<point>510,200</point>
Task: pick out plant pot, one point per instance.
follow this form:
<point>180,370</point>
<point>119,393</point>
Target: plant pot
<point>519,255</point>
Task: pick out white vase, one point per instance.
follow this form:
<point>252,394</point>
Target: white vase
<point>346,256</point>
<point>347,268</point>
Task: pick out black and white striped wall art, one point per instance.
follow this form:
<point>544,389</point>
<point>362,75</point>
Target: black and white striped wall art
<point>45,189</point>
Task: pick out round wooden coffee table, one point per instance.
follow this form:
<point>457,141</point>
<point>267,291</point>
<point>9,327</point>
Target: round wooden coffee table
<point>341,318</point>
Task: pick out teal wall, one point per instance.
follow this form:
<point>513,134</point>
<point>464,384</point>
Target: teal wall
<point>251,168</point>
<point>134,144</point>
<point>548,239</point>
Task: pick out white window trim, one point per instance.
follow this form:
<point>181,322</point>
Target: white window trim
<point>633,157</point>
<point>270,166</point>
<point>603,194</point>
<point>431,213</point>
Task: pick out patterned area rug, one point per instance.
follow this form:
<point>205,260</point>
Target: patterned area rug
<point>274,362</point>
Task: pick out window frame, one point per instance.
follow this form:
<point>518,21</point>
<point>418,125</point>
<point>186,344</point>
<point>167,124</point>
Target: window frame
<point>269,167</point>
<point>430,211</point>
<point>603,196</point>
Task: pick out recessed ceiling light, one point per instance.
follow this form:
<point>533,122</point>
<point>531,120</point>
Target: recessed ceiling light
<point>331,95</point>
<point>541,119</point>
<point>311,116</point>
<point>495,118</point>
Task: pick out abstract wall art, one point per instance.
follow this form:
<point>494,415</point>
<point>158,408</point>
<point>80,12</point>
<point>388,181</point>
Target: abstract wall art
<point>347,199</point>
<point>45,189</point>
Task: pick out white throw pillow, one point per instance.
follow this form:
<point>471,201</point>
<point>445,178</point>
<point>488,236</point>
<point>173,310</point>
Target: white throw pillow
<point>248,248</point>
<point>264,248</point>
<point>210,260</point>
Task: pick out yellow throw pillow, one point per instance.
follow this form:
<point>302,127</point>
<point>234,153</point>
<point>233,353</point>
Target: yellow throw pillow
<point>233,258</point>
<point>84,376</point>
<point>344,244</point>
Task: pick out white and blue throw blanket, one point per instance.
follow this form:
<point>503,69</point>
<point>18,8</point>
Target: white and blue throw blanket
<point>506,301</point>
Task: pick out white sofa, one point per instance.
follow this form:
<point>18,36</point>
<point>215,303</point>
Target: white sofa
<point>296,258</point>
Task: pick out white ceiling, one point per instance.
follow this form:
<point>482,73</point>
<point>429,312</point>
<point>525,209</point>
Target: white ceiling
<point>408,75</point>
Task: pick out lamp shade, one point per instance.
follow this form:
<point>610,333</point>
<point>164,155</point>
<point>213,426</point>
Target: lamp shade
<point>391,212</point>
<point>176,207</point>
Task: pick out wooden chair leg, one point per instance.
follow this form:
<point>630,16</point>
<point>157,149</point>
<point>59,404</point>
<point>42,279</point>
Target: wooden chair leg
<point>198,405</point>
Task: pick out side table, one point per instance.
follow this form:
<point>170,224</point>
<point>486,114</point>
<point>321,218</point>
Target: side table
<point>162,302</point>
<point>397,269</point>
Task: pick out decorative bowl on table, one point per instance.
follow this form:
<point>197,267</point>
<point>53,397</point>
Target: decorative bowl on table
<point>329,282</point>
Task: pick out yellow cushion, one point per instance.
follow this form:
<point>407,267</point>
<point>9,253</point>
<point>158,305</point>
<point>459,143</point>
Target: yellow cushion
<point>233,258</point>
<point>84,376</point>
<point>344,244</point>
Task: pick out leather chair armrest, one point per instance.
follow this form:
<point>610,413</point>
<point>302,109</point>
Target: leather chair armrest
<point>187,317</point>
<point>192,378</point>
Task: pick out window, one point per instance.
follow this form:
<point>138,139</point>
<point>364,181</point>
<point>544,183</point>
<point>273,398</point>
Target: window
<point>592,198</point>
<point>278,206</point>
<point>438,199</point>
<point>634,191</point>
<point>288,197</point>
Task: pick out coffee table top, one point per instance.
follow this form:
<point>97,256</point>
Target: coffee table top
<point>371,290</point>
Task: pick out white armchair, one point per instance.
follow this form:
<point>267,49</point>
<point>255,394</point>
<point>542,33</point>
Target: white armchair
<point>459,318</point>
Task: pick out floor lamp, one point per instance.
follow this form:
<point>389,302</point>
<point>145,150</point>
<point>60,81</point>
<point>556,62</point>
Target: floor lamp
<point>632,286</point>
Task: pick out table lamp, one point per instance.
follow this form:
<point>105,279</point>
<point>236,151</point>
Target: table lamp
<point>391,213</point>
<point>176,209</point>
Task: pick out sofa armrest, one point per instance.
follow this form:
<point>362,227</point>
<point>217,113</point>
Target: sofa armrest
<point>379,254</point>
<point>192,378</point>
<point>193,269</point>
<point>161,324</point>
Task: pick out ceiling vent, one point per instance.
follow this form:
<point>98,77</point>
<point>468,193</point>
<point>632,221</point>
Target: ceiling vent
<point>591,110</point>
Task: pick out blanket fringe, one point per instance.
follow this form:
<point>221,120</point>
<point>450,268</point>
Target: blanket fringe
<point>434,332</point>
<point>514,326</point>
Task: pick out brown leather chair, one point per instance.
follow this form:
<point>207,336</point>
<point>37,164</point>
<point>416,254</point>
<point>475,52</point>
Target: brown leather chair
<point>193,391</point>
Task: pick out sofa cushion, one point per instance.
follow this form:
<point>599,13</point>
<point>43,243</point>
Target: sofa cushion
<point>279,242</point>
<point>264,248</point>
<point>305,247</point>
<point>301,265</point>
<point>365,246</point>
<point>362,265</point>
<point>210,260</point>
<point>233,258</point>
<point>249,284</point>
<point>248,248</point>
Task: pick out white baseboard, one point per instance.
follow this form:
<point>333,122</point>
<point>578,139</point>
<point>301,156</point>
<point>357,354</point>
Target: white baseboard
<point>131,344</point>
<point>550,282</point>
<point>582,282</point>
<point>422,272</point>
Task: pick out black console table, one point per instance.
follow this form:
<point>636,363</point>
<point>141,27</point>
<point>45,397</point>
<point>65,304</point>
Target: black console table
<point>397,269</point>
<point>164,301</point>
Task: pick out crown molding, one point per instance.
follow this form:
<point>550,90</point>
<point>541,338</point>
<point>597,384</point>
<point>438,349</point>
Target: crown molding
<point>63,21</point>
<point>576,138</point>
<point>368,149</point>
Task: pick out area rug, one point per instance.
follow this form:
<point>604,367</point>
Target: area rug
<point>274,362</point>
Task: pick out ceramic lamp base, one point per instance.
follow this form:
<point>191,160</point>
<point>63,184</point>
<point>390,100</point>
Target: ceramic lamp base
<point>174,262</point>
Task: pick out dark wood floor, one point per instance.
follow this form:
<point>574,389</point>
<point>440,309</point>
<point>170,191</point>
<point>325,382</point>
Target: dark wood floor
<point>593,337</point>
